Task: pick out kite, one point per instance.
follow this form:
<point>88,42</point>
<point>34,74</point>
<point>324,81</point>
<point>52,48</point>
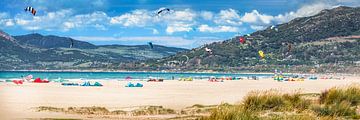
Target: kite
<point>72,43</point>
<point>208,50</point>
<point>242,40</point>
<point>151,45</point>
<point>187,59</point>
<point>31,10</point>
<point>162,10</point>
<point>274,28</point>
<point>261,54</point>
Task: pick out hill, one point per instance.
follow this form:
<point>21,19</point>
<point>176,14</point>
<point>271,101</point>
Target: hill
<point>328,39</point>
<point>35,51</point>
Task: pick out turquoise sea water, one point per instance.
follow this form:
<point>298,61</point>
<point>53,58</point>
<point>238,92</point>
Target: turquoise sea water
<point>119,75</point>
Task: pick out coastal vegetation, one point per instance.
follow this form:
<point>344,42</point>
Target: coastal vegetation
<point>331,104</point>
<point>335,103</point>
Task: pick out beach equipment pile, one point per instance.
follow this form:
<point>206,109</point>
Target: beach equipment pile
<point>70,84</point>
<point>155,80</point>
<point>186,79</point>
<point>213,79</point>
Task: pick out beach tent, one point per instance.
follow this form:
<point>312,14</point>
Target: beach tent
<point>86,84</point>
<point>139,85</point>
<point>132,85</point>
<point>38,80</point>
<point>97,84</point>
<point>18,82</point>
<point>313,78</point>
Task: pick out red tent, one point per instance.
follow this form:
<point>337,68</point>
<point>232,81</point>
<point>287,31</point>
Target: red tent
<point>38,80</point>
<point>18,82</point>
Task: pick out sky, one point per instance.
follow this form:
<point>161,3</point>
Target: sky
<point>188,24</point>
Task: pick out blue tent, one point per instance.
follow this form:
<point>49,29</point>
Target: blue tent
<point>97,84</point>
<point>139,85</point>
<point>86,84</point>
<point>132,85</point>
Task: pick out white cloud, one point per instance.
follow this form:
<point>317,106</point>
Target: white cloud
<point>304,11</point>
<point>5,20</point>
<point>138,18</point>
<point>179,15</point>
<point>206,15</point>
<point>51,20</point>
<point>96,20</point>
<point>4,15</point>
<point>62,20</point>
<point>257,27</point>
<point>258,21</point>
<point>9,23</point>
<point>228,17</point>
<point>178,27</point>
<point>207,28</point>
<point>257,18</point>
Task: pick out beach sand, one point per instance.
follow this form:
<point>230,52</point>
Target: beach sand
<point>19,101</point>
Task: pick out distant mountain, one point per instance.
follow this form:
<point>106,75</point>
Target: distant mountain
<point>35,51</point>
<point>51,41</point>
<point>330,38</point>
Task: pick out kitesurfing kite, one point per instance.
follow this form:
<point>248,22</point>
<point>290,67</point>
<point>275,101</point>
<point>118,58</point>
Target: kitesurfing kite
<point>208,50</point>
<point>72,43</point>
<point>187,59</point>
<point>163,10</point>
<point>261,54</point>
<point>150,45</point>
<point>242,40</point>
<point>274,28</point>
<point>31,10</point>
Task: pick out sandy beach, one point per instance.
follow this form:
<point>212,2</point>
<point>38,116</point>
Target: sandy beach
<point>18,101</point>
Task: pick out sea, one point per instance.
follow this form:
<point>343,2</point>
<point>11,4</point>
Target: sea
<point>121,75</point>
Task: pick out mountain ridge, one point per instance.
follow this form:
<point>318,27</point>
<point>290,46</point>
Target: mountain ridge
<point>36,51</point>
<point>302,34</point>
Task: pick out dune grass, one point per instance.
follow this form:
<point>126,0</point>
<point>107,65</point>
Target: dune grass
<point>273,100</point>
<point>335,103</point>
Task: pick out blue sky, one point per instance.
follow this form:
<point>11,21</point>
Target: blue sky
<point>189,24</point>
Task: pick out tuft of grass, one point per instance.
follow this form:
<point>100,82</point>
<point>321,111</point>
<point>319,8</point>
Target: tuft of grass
<point>336,95</point>
<point>342,109</point>
<point>273,100</point>
<point>198,109</point>
<point>231,112</point>
<point>152,110</point>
